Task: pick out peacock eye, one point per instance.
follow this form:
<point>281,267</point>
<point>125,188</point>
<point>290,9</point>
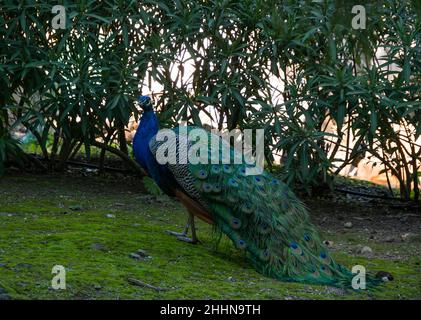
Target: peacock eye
<point>216,188</point>
<point>293,245</point>
<point>207,187</point>
<point>227,168</point>
<point>236,223</point>
<point>233,182</point>
<point>241,244</point>
<point>216,169</point>
<point>202,174</point>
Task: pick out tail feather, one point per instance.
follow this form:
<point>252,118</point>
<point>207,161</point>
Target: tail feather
<point>262,216</point>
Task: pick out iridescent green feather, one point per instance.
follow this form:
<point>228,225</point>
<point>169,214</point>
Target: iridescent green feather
<point>262,216</point>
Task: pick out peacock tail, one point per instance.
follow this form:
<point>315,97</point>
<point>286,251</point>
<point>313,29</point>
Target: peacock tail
<point>259,213</point>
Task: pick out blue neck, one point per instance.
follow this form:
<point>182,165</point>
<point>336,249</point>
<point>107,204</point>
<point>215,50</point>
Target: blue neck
<point>148,128</point>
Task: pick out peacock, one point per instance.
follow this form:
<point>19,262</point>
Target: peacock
<point>259,213</point>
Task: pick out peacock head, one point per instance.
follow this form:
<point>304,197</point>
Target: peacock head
<point>145,103</point>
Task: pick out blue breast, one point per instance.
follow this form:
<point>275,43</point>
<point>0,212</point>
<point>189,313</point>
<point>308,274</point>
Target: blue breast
<point>147,129</point>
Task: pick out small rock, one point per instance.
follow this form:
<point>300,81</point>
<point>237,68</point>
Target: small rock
<point>405,236</point>
<point>328,243</point>
<point>337,291</point>
<point>135,256</point>
<point>97,287</point>
<point>142,253</point>
<point>348,225</point>
<point>231,279</point>
<point>76,207</point>
<point>118,204</point>
<point>111,216</point>
<point>389,239</point>
<point>366,250</point>
<point>384,275</point>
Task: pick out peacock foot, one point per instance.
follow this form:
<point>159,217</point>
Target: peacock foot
<point>177,234</point>
<point>188,240</point>
<point>182,236</point>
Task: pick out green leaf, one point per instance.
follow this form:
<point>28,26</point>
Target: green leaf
<point>152,187</point>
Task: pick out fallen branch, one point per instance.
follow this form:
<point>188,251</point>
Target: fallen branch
<point>85,165</point>
<point>144,285</point>
<point>136,167</point>
<point>376,196</point>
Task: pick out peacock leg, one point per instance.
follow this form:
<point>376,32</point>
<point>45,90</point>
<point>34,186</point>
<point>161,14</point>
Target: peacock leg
<point>183,235</point>
<point>185,230</point>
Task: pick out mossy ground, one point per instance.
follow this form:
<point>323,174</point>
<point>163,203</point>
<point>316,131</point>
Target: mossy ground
<point>65,220</point>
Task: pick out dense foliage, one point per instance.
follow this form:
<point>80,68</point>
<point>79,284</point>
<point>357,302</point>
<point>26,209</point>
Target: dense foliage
<point>291,67</point>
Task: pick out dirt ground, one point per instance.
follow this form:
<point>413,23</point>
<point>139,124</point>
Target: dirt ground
<point>93,225</point>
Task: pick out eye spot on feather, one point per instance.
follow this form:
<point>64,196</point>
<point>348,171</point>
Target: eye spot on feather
<point>325,258</point>
<point>295,248</point>
<point>293,245</point>
<point>247,208</point>
<point>207,187</point>
<point>325,270</point>
<point>265,255</point>
<point>201,174</point>
<point>275,182</point>
<point>227,168</point>
<point>258,180</point>
<point>216,188</point>
<point>307,237</point>
<point>315,274</point>
<point>242,171</point>
<point>216,169</point>
<point>241,244</point>
<point>235,223</point>
<point>264,229</point>
<point>233,182</point>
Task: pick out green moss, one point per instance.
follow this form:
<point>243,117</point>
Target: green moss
<point>38,230</point>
